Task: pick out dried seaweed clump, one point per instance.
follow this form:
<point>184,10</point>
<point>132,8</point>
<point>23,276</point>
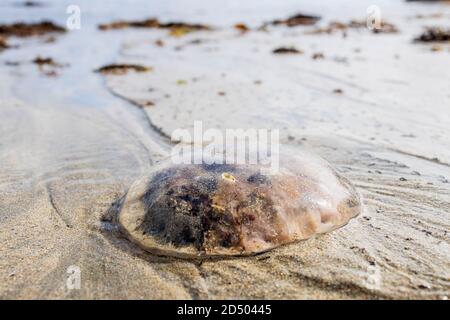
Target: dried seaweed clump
<point>175,28</point>
<point>206,210</point>
<point>23,30</point>
<point>47,66</point>
<point>287,50</point>
<point>242,27</point>
<point>3,44</point>
<point>435,34</point>
<point>336,26</point>
<point>385,27</point>
<point>30,4</point>
<point>120,69</point>
<point>299,19</point>
<point>46,61</point>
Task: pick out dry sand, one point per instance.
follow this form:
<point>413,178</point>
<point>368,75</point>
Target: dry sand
<point>69,148</point>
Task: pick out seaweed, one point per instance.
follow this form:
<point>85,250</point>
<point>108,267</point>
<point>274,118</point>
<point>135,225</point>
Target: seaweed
<point>298,19</point>
<point>287,50</point>
<point>175,28</point>
<point>3,44</point>
<point>23,30</point>
<point>335,26</point>
<point>434,34</point>
<point>120,69</point>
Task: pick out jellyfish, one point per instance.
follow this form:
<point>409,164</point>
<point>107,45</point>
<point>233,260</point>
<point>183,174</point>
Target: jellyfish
<point>204,210</point>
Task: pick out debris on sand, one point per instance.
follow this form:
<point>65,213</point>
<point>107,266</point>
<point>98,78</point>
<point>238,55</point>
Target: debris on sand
<point>47,66</point>
<point>46,62</point>
<point>149,23</point>
<point>148,103</point>
<point>12,63</point>
<point>434,34</point>
<point>287,50</point>
<point>437,15</point>
<point>120,69</point>
<point>332,27</point>
<point>196,41</point>
<point>175,28</point>
<point>191,26</point>
<point>23,30</point>
<point>318,55</point>
<point>3,44</point>
<point>436,48</point>
<point>43,61</point>
<point>180,31</point>
<point>299,19</point>
<point>159,43</point>
<point>338,91</point>
<point>385,27</point>
<point>30,4</point>
<point>242,27</point>
<point>336,26</point>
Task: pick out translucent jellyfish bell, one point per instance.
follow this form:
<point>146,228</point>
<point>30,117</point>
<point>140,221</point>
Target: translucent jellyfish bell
<point>210,209</point>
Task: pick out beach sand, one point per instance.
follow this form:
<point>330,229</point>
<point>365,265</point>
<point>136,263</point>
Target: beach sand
<point>376,107</point>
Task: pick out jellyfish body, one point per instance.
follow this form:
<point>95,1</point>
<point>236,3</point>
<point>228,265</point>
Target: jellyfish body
<point>213,210</point>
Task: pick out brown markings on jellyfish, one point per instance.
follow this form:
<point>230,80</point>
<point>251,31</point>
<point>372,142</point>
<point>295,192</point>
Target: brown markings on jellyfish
<point>219,210</point>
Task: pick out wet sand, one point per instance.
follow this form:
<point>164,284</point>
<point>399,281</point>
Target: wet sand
<point>375,107</point>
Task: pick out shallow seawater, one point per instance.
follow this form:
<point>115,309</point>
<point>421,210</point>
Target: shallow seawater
<point>204,210</point>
